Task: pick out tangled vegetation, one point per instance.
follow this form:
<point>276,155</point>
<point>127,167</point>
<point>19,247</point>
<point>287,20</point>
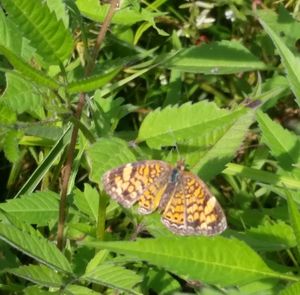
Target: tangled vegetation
<point>88,86</point>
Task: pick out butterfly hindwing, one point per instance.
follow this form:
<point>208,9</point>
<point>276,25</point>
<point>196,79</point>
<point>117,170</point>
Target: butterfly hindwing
<point>192,209</point>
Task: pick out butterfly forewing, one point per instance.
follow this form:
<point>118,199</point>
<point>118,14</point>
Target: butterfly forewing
<point>137,181</point>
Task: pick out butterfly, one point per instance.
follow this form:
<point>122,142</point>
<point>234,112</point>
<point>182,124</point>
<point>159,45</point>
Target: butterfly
<point>187,206</point>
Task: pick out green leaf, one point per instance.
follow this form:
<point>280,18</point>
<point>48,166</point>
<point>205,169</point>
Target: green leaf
<point>172,124</point>
<point>223,148</point>
<point>47,132</point>
<point>161,282</point>
<point>29,141</point>
<point>284,23</point>
<point>174,95</point>
<point>273,89</point>
<point>293,289</point>
<point>20,95</point>
<point>217,58</point>
<point>27,71</point>
<point>87,201</point>
<point>290,62</point>
<point>38,274</point>
<point>98,259</point>
<point>19,223</point>
<point>7,117</point>
<point>12,39</point>
<point>140,31</point>
<point>199,258</point>
<point>36,208</point>
<point>294,217</point>
<point>59,8</point>
<point>262,287</point>
<point>79,290</point>
<point>110,110</point>
<point>9,36</point>
<point>261,176</point>
<point>114,277</point>
<point>11,146</point>
<point>284,145</point>
<point>155,227</point>
<point>37,248</point>
<point>48,35</point>
<point>8,258</point>
<point>106,154</point>
<point>124,16</point>
<point>92,83</point>
<point>36,290</point>
<point>271,237</point>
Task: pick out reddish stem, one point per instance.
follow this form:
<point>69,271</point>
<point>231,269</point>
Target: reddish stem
<point>67,169</point>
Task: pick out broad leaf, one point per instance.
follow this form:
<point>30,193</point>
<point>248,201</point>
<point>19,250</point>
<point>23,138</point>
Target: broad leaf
<point>262,287</point>
<point>97,260</point>
<point>36,208</point>
<point>199,258</point>
<point>41,27</point>
<point>79,290</point>
<point>21,95</point>
<point>273,89</point>
<point>155,227</point>
<point>219,58</point>
<point>37,290</point>
<point>271,237</point>
<point>61,12</point>
<point>284,145</point>
<point>52,133</point>
<point>37,248</point>
<point>177,124</point>
<point>92,83</point>
<point>19,223</point>
<point>294,218</point>
<point>38,274</point>
<point>174,95</point>
<point>282,21</point>
<point>11,145</point>
<point>7,117</point>
<point>9,37</point>
<point>124,16</point>
<point>87,201</point>
<point>223,148</point>
<point>293,289</point>
<point>106,154</point>
<point>28,71</point>
<point>12,39</point>
<point>114,277</point>
<point>161,282</point>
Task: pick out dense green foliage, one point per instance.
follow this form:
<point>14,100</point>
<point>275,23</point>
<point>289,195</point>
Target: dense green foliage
<point>216,83</point>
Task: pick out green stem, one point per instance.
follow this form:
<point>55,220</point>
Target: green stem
<point>101,217</point>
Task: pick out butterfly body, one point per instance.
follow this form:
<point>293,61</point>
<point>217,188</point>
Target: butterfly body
<point>186,204</point>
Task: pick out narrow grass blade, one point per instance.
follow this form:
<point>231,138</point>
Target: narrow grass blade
<point>43,168</point>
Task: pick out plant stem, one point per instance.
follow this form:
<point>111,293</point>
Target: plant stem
<point>66,171</point>
<point>101,217</point>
